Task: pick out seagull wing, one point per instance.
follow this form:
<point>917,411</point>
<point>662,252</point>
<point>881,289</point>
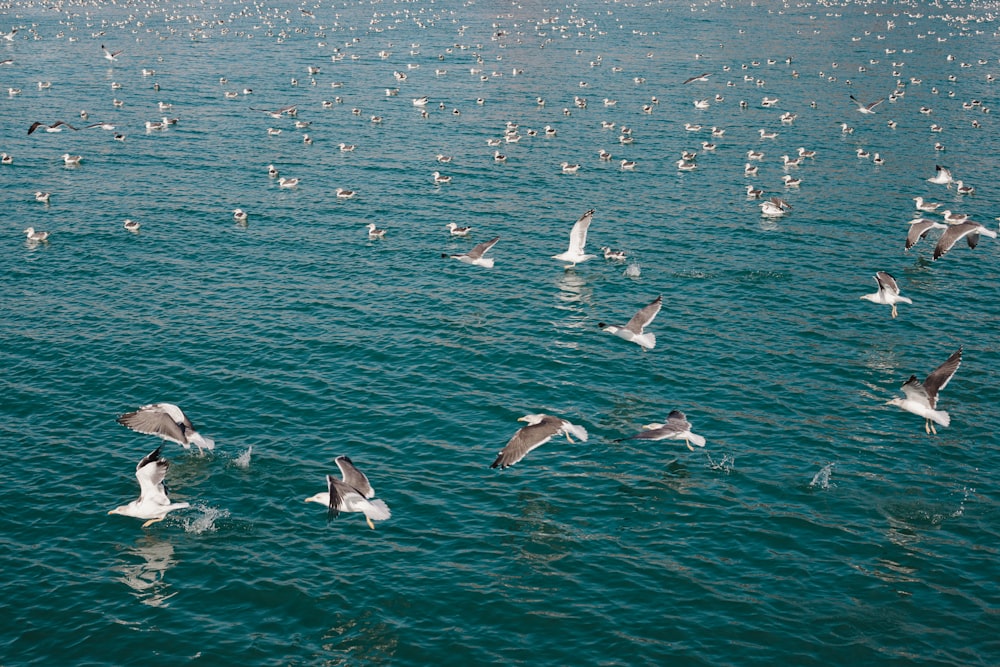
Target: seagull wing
<point>886,283</point>
<point>642,319</point>
<point>481,249</point>
<point>915,391</point>
<point>919,229</point>
<point>953,235</point>
<point>354,477</point>
<point>526,439</point>
<point>152,420</point>
<point>150,473</point>
<point>35,126</point>
<point>941,376</point>
<point>578,235</point>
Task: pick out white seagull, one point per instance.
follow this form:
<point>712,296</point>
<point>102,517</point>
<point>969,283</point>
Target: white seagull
<point>677,427</point>
<point>942,176</point>
<point>577,241</point>
<point>866,108</point>
<point>475,256</point>
<point>888,292</point>
<point>167,421</point>
<point>152,503</point>
<point>919,229</point>
<point>540,429</point>
<point>921,397</point>
<point>111,55</point>
<point>36,236</point>
<point>634,330</point>
<point>351,494</point>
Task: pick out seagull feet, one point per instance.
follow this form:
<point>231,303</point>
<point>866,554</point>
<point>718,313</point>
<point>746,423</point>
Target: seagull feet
<point>370,524</point>
<point>688,443</point>
<point>151,522</point>
<point>929,427</point>
<point>894,311</point>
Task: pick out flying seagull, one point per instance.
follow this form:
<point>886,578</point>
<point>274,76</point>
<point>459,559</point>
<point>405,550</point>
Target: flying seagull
<point>700,77</point>
<point>888,292</point>
<point>919,229</point>
<point>351,493</point>
<point>677,427</point>
<point>540,429</point>
<point>633,331</point>
<point>152,503</point>
<point>54,127</point>
<point>866,108</point>
<point>921,397</point>
<point>111,55</point>
<point>168,422</point>
<point>475,256</point>
<point>970,231</point>
<point>577,240</point>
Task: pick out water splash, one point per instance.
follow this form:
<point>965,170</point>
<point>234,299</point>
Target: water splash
<point>243,460</point>
<point>206,522</point>
<point>632,271</point>
<point>727,464</point>
<point>822,478</point>
<point>966,492</point>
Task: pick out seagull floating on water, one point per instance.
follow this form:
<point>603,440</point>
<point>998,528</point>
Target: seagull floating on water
<point>577,241</point>
<point>351,493</point>
<point>167,421</point>
<point>921,397</point>
<point>634,330</point>
<point>942,176</point>
<point>540,429</point>
<point>36,236</point>
<point>677,427</point>
<point>152,503</point>
<point>888,292</point>
<point>458,231</point>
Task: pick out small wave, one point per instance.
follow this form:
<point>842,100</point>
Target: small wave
<point>821,479</point>
<point>205,523</point>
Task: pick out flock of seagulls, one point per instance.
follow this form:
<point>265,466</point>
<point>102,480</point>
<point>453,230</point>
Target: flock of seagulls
<point>353,492</point>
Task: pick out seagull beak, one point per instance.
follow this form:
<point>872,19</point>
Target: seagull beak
<point>113,512</point>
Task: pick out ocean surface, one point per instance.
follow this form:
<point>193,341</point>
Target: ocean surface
<point>819,526</point>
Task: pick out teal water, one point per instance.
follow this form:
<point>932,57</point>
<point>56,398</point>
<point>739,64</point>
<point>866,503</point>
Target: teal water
<point>818,526</point>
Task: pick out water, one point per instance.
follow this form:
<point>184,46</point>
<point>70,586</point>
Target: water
<point>294,339</point>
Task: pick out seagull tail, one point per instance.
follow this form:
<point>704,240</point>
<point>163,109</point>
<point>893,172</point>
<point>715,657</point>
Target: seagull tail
<point>940,417</point>
<point>200,441</point>
<point>377,510</point>
<point>647,340</point>
<point>696,440</point>
<point>578,431</point>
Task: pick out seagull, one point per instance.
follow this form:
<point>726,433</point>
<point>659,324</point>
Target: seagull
<point>954,218</point>
<point>272,171</point>
<point>942,176</point>
<point>633,331</point>
<point>925,206</point>
<point>287,182</point>
<point>970,231</point>
<point>36,236</point>
<point>866,108</point>
<point>343,193</point>
<point>888,292</point>
<point>774,207</point>
<point>111,55</point>
<point>458,231</point>
<point>700,77</point>
<point>921,397</point>
<point>439,178</point>
<point>71,160</point>
<point>131,225</point>
<point>54,127</point>
<point>351,493</point>
<point>919,229</point>
<point>239,215</point>
<point>613,255</point>
<point>475,256</point>
<point>577,240</point>
<point>677,427</point>
<point>374,232</point>
<point>540,429</point>
<point>42,197</point>
<point>168,422</point>
<point>152,503</point>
